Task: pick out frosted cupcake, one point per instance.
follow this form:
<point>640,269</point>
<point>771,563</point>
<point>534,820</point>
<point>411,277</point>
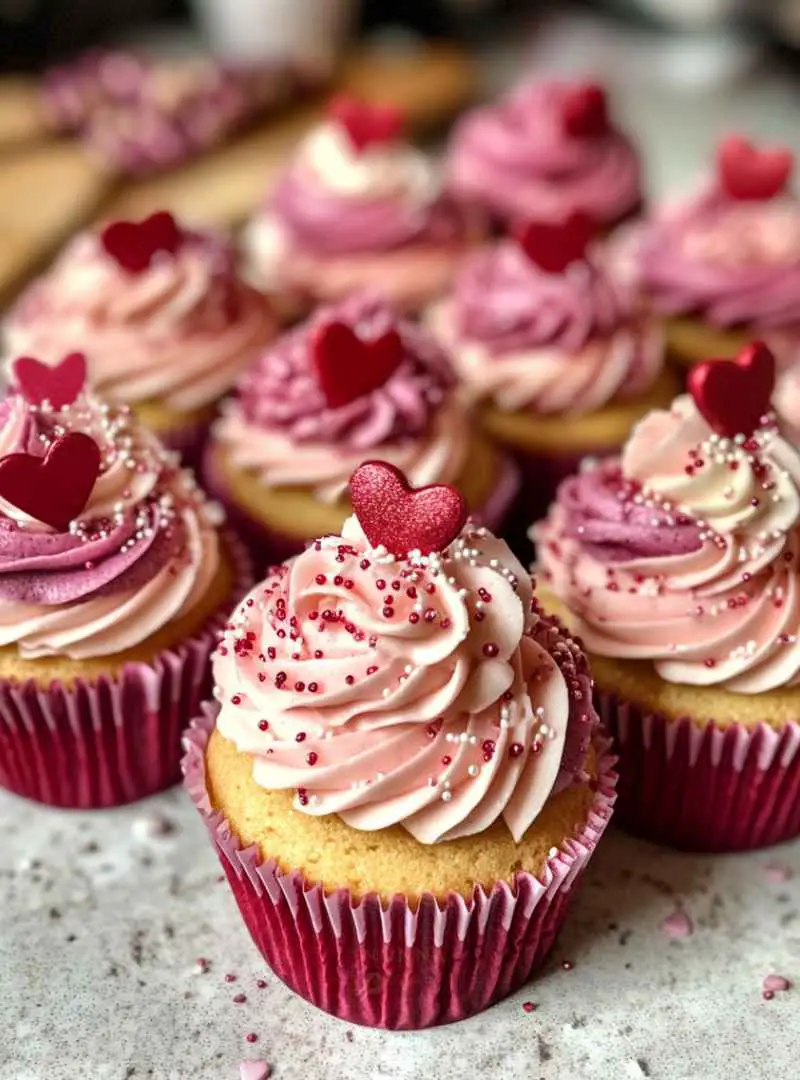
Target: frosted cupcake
<point>723,266</point>
<point>678,566</point>
<point>404,781</point>
<point>164,319</point>
<point>544,151</point>
<point>357,207</point>
<point>115,583</point>
<point>552,349</point>
<point>354,382</point>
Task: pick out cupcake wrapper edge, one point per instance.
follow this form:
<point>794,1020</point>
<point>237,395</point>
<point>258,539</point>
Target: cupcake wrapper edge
<point>704,787</point>
<point>393,965</point>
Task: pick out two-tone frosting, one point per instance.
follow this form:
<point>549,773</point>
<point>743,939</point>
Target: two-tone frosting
<point>140,555</point>
<point>343,217</point>
<point>685,551</point>
<point>526,339</point>
<point>425,690</point>
<point>518,157</point>
<point>281,425</point>
<point>178,332</point>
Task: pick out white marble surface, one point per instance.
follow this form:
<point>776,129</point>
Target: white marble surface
<point>102,926</point>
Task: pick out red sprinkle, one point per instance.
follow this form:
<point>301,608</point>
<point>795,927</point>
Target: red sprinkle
<point>312,757</point>
<point>300,736</point>
<point>252,1037</point>
<point>230,978</point>
<point>528,1007</point>
<point>490,649</point>
<point>240,999</point>
<point>263,725</point>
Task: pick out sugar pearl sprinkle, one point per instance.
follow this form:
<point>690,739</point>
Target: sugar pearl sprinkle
<point>122,440</point>
<point>409,585</point>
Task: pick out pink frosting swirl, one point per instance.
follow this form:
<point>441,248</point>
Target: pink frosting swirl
<point>143,552</point>
<point>428,692</point>
<point>686,553</point>
<point>734,263</point>
<point>281,424</point>
<point>180,332</point>
<point>527,339</point>
<point>334,201</point>
<point>516,158</point>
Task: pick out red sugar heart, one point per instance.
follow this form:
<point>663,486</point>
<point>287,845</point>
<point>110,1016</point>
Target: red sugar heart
<point>348,367</point>
<point>747,172</point>
<point>584,110</point>
<point>132,244</point>
<point>54,488</point>
<point>553,246</point>
<point>60,385</point>
<point>365,123</point>
<point>403,518</point>
<point>733,395</point>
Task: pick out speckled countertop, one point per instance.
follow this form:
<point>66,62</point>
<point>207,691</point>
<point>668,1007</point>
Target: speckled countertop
<point>103,917</point>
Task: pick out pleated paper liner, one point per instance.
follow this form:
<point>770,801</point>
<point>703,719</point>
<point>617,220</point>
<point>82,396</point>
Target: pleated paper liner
<point>704,787</point>
<point>396,965</point>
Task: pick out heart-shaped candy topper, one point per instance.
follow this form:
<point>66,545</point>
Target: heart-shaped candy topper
<point>749,173</point>
<point>366,124</point>
<point>733,395</point>
<point>54,488</point>
<point>584,110</point>
<point>348,367</point>
<point>403,518</point>
<point>60,385</point>
<point>133,244</point>
<point>555,245</point>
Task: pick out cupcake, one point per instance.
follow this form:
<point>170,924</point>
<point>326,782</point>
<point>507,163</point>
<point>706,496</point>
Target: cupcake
<point>115,583</point>
<point>164,319</point>
<point>678,565</point>
<point>355,381</point>
<point>552,349</point>
<point>357,207</point>
<point>723,266</point>
<point>403,777</point>
<point>544,151</point>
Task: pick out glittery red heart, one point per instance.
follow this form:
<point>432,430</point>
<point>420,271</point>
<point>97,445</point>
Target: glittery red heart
<point>60,384</point>
<point>132,244</point>
<point>403,518</point>
<point>733,395</point>
<point>584,110</point>
<point>365,123</point>
<point>554,245</point>
<point>745,172</point>
<point>348,367</point>
<point>54,488</point>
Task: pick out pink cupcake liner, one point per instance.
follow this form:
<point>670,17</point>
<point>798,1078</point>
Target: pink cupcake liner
<point>112,740</point>
<point>392,965</point>
<point>269,547</point>
<point>704,787</point>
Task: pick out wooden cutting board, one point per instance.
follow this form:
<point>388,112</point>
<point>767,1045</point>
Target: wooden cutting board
<point>53,189</point>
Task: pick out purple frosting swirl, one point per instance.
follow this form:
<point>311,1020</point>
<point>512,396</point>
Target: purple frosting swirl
<point>326,223</point>
<point>733,263</point>
<point>515,158</point>
<point>282,393</point>
<point>612,525</point>
<point>502,299</point>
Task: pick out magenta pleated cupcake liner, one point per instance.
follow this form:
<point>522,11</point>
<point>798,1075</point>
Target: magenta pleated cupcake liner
<point>270,547</point>
<point>704,787</point>
<point>112,740</point>
<point>393,965</point>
